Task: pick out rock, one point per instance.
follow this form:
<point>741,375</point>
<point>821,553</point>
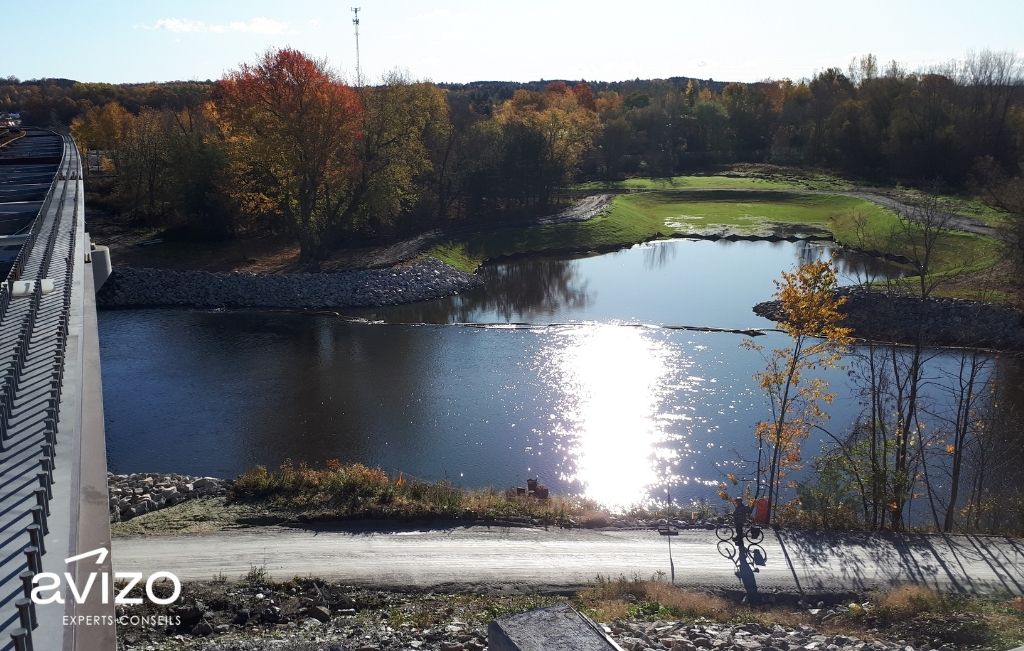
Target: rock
<point>206,485</point>
<point>241,617</point>
<point>318,613</point>
<point>422,280</point>
<point>188,614</point>
<point>141,493</point>
<point>270,615</point>
<point>875,315</point>
<point>202,628</point>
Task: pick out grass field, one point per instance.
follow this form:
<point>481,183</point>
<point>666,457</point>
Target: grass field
<point>655,214</point>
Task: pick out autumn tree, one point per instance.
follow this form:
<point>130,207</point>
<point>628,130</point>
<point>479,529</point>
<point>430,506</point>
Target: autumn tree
<point>545,136</point>
<point>403,126</point>
<point>293,129</point>
<point>811,317</point>
<point>102,129</point>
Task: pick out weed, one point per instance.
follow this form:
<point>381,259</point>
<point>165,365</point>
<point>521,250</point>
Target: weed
<point>257,575</point>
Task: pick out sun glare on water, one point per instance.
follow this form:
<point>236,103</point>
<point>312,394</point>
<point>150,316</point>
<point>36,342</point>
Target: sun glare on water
<point>612,382</point>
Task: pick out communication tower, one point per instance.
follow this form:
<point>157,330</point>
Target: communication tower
<point>355,23</point>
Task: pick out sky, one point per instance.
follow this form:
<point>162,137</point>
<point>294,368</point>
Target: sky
<point>520,40</point>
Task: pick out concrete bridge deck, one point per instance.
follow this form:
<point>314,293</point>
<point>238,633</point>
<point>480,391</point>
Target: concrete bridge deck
<point>50,501</point>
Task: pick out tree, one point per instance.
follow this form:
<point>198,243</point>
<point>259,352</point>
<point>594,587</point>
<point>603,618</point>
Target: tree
<point>545,135</point>
<point>403,125</point>
<point>811,318</point>
<point>102,128</point>
<point>293,129</point>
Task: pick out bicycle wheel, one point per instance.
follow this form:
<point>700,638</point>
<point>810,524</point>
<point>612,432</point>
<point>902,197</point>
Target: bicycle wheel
<point>725,532</point>
<point>727,549</point>
<point>756,554</point>
<point>754,535</point>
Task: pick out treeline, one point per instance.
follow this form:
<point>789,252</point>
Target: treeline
<point>403,156</point>
<point>54,103</point>
<point>284,145</point>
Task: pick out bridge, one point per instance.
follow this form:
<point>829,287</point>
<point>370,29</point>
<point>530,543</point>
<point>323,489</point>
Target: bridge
<point>53,491</point>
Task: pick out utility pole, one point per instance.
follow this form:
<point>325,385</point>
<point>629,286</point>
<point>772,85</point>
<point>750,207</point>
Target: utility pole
<point>668,531</point>
<point>355,23</point>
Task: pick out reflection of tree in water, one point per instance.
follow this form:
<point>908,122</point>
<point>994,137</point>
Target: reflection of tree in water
<point>658,254</point>
<point>527,287</point>
<point>512,291</point>
<point>851,266</point>
<point>996,462</point>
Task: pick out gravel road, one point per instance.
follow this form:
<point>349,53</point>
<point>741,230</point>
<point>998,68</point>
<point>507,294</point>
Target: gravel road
<point>535,558</point>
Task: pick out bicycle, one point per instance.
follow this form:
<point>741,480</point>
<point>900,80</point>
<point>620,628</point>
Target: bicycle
<point>752,535</point>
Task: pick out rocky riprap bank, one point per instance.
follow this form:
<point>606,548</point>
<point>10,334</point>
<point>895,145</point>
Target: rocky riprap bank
<point>694,636</point>
<point>307,614</point>
<point>132,495</point>
<point>423,280</point>
<point>877,316</point>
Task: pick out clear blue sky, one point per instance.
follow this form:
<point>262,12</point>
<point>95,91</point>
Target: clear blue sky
<point>517,40</point>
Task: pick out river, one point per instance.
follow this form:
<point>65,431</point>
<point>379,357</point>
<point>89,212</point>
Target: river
<point>572,370</point>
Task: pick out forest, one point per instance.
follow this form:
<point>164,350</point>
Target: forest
<point>284,145</point>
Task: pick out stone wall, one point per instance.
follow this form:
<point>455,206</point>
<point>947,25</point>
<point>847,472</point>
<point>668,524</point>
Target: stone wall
<point>423,280</point>
<point>877,316</point>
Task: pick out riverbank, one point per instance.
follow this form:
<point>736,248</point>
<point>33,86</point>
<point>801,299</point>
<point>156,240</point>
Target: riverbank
<point>947,322</point>
<point>139,493</point>
<point>161,504</point>
<point>421,280</point>
<point>257,612</point>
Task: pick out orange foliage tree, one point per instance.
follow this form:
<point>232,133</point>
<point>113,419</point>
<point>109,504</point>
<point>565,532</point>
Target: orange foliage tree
<point>293,128</point>
<point>561,122</point>
<point>812,319</point>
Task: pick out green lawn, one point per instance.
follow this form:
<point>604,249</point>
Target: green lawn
<point>654,214</point>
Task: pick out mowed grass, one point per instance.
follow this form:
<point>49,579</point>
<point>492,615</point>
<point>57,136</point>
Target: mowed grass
<point>658,214</point>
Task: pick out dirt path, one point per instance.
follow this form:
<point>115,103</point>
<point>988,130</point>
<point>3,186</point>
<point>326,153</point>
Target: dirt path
<point>795,562</point>
<point>954,221</point>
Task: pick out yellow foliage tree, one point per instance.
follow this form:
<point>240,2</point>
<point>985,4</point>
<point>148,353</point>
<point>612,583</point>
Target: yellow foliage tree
<point>813,320</point>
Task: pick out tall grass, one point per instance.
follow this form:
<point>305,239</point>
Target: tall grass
<point>355,490</point>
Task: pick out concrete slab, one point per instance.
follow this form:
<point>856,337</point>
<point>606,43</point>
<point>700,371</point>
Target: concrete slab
<point>557,628</point>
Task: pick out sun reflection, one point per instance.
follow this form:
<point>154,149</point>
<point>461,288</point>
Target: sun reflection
<point>613,381</point>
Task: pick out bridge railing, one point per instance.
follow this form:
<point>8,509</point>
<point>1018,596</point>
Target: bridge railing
<point>33,359</point>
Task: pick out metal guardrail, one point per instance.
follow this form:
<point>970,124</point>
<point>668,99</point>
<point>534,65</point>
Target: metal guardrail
<point>34,332</point>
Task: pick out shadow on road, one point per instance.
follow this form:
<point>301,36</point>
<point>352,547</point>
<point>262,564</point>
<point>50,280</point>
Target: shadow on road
<point>746,557</point>
<point>868,560</point>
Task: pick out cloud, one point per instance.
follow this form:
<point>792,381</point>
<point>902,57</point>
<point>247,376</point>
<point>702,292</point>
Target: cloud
<point>257,25</point>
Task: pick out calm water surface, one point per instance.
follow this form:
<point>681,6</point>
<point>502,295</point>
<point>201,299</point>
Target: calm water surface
<point>594,397</point>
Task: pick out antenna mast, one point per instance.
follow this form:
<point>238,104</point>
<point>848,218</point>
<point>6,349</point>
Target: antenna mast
<point>355,23</point>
